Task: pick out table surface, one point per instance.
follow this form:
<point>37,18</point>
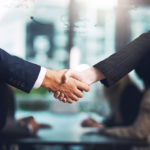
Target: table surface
<point>66,130</point>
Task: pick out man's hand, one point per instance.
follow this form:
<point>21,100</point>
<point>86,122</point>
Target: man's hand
<point>87,76</point>
<point>70,90</point>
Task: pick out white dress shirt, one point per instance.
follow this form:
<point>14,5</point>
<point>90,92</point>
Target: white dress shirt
<point>40,78</point>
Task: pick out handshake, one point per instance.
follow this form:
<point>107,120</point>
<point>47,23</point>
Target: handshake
<point>68,85</point>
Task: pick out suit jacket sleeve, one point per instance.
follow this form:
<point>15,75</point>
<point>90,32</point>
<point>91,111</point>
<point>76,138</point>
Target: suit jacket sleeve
<point>17,72</point>
<point>125,60</point>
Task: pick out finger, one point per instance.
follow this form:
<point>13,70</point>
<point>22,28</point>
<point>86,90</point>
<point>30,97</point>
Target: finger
<point>64,100</point>
<point>69,100</point>
<point>62,96</point>
<point>79,93</point>
<point>74,97</point>
<point>66,76</point>
<point>83,86</point>
<point>57,94</point>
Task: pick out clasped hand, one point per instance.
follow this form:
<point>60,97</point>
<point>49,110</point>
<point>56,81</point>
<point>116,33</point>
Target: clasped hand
<point>69,85</point>
<point>71,90</point>
<point>86,77</point>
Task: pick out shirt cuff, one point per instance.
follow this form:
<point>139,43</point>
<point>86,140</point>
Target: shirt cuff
<point>40,78</point>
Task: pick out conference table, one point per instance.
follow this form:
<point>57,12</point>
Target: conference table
<point>66,131</point>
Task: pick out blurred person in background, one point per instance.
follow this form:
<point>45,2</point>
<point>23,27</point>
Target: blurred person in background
<point>23,127</point>
<point>141,126</point>
<point>124,99</point>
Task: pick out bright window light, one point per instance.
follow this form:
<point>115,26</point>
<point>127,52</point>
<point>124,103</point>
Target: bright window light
<point>103,4</point>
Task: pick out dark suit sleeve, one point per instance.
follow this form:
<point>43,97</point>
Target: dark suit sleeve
<point>125,60</point>
<point>17,72</point>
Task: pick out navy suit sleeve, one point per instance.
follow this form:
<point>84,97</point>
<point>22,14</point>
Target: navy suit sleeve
<point>17,72</point>
<point>125,60</point>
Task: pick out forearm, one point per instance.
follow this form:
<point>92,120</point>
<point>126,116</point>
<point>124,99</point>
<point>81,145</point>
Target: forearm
<point>18,72</point>
<point>125,60</point>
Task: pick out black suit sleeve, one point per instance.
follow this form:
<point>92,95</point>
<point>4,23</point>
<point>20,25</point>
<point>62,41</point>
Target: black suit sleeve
<point>17,72</point>
<point>125,60</point>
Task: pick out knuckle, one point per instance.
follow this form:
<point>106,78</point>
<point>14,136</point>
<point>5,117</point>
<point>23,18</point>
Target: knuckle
<point>77,99</point>
<point>57,92</point>
<point>81,96</point>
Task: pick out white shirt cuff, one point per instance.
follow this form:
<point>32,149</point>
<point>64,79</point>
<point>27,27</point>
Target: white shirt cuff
<point>40,78</point>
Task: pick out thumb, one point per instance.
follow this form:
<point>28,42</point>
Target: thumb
<point>72,73</point>
<point>67,75</point>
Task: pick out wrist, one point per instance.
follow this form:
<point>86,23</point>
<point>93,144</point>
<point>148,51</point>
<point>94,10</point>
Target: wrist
<point>93,75</point>
<point>49,77</point>
<point>53,79</point>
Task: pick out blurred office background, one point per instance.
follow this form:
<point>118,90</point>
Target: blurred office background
<point>59,34</point>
